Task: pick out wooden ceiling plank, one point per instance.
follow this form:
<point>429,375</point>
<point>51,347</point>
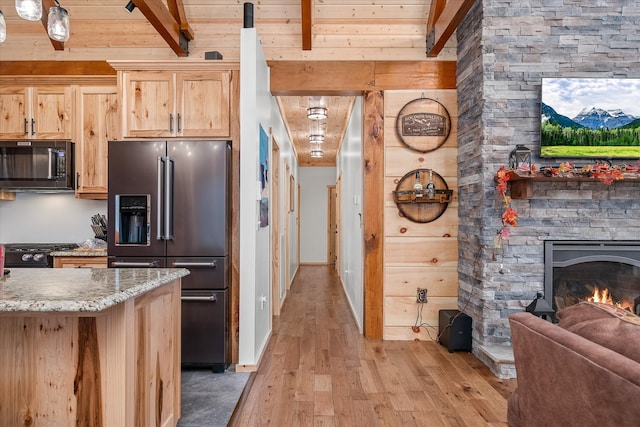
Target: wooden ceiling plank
<point>46,5</point>
<point>437,6</point>
<point>446,24</point>
<point>164,23</point>
<point>307,19</point>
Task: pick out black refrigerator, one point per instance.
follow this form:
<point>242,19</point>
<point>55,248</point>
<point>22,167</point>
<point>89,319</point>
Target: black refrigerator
<point>168,206</point>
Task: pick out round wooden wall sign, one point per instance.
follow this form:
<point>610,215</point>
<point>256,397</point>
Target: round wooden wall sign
<point>422,195</point>
<point>423,124</point>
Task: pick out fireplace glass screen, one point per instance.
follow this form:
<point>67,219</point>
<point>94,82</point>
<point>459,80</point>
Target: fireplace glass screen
<point>593,271</point>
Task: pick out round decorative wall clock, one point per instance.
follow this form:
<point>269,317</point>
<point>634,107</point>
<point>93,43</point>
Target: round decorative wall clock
<point>423,124</point>
<point>422,195</point>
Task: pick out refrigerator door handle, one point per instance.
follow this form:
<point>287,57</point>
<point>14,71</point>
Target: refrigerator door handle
<point>194,264</point>
<point>159,235</point>
<point>168,198</point>
<point>211,298</point>
<point>152,264</point>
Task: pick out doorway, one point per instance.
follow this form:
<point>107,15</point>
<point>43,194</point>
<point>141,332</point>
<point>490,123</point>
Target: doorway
<point>275,227</point>
<point>332,225</point>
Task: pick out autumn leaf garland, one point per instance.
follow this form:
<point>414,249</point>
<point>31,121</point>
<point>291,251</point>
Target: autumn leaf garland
<point>603,172</point>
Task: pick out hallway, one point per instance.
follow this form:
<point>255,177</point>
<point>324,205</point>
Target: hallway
<point>318,370</point>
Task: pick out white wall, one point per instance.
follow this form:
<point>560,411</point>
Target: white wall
<point>257,108</point>
<point>351,251</point>
<point>48,218</point>
<point>314,214</point>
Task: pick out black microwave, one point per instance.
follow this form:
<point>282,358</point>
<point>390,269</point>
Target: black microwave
<point>37,165</point>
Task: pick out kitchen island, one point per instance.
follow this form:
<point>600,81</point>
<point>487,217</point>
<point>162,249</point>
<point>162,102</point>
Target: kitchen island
<point>90,347</point>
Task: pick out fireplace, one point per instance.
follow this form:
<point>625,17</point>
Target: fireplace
<point>601,271</point>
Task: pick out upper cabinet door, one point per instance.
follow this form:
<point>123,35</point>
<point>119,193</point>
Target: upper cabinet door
<point>99,123</point>
<point>149,104</point>
<point>51,112</point>
<point>36,112</point>
<point>14,104</point>
<point>203,104</point>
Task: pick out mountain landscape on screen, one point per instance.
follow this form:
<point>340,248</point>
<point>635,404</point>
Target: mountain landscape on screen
<point>590,118</point>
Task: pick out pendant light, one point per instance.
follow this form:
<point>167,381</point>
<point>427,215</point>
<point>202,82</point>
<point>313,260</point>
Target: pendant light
<point>31,10</point>
<point>316,153</point>
<point>316,139</point>
<point>3,28</point>
<point>58,23</point>
<point>316,113</point>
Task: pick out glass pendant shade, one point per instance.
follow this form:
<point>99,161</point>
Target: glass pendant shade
<point>317,113</point>
<point>31,10</point>
<point>3,28</point>
<point>58,24</point>
<point>316,139</point>
<point>316,153</point>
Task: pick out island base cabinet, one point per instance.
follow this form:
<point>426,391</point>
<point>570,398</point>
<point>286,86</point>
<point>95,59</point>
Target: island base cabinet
<point>119,367</point>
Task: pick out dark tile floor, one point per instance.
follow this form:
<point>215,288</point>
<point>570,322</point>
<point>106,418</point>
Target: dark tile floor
<point>208,399</point>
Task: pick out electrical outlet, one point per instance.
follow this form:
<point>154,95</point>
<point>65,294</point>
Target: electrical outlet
<point>422,295</point>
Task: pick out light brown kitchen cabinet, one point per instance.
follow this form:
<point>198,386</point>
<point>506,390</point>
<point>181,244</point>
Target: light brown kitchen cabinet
<point>80,262</point>
<point>98,122</point>
<point>38,112</point>
<point>174,104</point>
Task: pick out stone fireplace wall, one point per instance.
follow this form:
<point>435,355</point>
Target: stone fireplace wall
<point>504,50</point>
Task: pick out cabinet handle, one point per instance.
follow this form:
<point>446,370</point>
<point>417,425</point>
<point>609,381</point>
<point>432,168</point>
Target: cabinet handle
<point>33,127</point>
<point>170,122</point>
<point>179,127</point>
<point>195,264</point>
<point>151,264</point>
<point>77,180</point>
<point>212,298</point>
<point>25,126</point>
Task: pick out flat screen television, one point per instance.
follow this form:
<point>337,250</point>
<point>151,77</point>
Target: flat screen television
<point>590,118</point>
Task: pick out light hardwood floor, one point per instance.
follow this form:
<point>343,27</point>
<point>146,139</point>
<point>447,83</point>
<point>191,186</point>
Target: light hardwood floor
<point>318,370</point>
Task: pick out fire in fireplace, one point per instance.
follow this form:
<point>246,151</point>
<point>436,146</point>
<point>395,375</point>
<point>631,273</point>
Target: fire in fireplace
<point>606,272</point>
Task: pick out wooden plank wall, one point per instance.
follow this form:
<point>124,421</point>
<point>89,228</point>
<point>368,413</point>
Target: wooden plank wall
<point>356,30</point>
<point>418,255</point>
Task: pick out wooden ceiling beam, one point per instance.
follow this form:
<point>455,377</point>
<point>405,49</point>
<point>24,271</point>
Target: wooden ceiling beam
<point>46,5</point>
<point>446,20</point>
<point>307,19</point>
<point>176,8</point>
<point>352,78</point>
<point>165,24</point>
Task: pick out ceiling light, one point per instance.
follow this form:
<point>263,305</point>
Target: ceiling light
<point>58,23</point>
<point>316,153</point>
<point>3,28</point>
<point>316,113</point>
<point>31,10</point>
<point>316,139</point>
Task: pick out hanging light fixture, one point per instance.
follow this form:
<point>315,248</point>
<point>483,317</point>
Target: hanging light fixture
<point>316,113</point>
<point>31,10</point>
<point>3,28</point>
<point>58,23</point>
<point>316,153</point>
<point>316,139</point>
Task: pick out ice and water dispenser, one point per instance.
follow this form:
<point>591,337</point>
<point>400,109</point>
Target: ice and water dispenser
<point>132,220</point>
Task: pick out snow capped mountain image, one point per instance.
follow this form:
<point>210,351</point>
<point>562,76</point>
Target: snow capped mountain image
<point>597,118</point>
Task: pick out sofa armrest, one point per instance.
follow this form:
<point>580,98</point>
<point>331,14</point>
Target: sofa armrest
<point>564,379</point>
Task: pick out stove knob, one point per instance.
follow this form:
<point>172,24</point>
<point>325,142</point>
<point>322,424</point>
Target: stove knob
<point>38,257</point>
<point>27,257</point>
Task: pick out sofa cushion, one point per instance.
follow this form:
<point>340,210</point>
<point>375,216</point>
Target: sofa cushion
<point>604,324</point>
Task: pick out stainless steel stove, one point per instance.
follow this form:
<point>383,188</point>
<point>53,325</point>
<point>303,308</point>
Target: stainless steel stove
<point>21,255</point>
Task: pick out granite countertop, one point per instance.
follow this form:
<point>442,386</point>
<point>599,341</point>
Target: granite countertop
<point>78,289</point>
<point>81,252</point>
